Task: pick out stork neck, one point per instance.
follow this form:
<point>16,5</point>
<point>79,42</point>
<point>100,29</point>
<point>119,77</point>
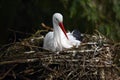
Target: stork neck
<point>58,33</point>
<point>57,37</point>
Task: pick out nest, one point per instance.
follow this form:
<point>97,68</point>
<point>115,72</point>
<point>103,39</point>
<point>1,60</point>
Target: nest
<point>97,58</point>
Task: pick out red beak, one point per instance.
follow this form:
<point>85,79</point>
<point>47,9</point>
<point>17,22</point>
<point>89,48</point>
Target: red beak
<point>63,29</point>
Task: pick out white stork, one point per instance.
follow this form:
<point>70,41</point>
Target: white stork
<point>58,39</point>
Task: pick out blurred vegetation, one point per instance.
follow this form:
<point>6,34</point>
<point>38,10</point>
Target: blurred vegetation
<point>86,15</point>
<point>103,15</point>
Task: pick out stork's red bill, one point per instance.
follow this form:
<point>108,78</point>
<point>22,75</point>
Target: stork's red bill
<point>58,39</point>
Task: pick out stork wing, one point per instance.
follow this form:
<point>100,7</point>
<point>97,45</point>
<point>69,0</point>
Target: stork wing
<point>48,41</point>
<point>73,40</point>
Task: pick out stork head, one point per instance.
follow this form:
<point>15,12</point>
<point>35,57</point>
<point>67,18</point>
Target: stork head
<point>57,17</point>
<point>58,20</point>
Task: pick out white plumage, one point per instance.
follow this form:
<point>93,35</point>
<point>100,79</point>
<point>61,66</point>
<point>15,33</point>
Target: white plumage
<point>59,40</point>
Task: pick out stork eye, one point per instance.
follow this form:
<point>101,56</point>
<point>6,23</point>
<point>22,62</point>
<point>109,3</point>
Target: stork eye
<point>56,19</point>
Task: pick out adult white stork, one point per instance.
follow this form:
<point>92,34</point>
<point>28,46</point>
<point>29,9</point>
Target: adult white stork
<point>58,39</point>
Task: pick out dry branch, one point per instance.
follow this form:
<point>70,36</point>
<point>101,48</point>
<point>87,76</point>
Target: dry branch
<point>46,27</point>
<point>18,61</point>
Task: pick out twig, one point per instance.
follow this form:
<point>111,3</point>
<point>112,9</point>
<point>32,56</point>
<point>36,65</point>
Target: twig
<point>19,61</point>
<point>47,27</point>
<point>7,72</point>
<point>78,51</point>
<point>6,45</point>
<point>13,74</point>
<point>70,73</point>
<point>28,45</point>
<point>27,71</point>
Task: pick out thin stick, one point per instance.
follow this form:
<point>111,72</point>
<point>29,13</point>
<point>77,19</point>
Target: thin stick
<point>47,27</point>
<point>19,61</point>
<point>7,72</point>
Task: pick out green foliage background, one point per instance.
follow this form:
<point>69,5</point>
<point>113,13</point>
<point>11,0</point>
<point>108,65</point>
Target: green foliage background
<point>103,15</point>
<point>86,15</point>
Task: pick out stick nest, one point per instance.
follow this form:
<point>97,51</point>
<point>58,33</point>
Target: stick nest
<point>97,58</point>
